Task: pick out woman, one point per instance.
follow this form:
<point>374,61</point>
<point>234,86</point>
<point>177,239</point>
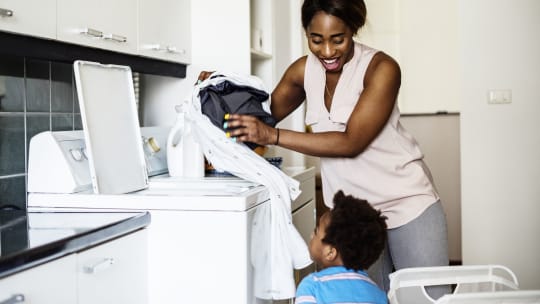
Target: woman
<point>350,92</point>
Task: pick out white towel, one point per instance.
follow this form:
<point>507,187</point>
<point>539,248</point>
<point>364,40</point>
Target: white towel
<point>276,246</point>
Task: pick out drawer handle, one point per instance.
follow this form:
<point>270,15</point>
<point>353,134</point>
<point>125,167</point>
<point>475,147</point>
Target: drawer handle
<point>168,49</point>
<point>6,13</point>
<point>16,298</point>
<point>92,32</point>
<point>99,266</point>
<point>115,37</point>
<point>174,50</point>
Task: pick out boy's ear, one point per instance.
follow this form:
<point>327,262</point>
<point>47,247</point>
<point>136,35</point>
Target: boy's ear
<point>331,253</point>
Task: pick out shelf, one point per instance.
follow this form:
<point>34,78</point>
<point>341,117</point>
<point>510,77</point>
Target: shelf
<point>260,55</point>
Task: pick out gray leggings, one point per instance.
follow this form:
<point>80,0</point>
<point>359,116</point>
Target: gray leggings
<point>422,242</point>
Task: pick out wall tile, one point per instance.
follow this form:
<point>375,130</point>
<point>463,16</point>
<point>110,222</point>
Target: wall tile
<point>77,125</point>
<point>12,159</point>
<point>38,93</point>
<point>11,84</point>
<point>13,192</point>
<point>76,108</point>
<point>36,123</point>
<point>61,88</point>
<point>62,122</point>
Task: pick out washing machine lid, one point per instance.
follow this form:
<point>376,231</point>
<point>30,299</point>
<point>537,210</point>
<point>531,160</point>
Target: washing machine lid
<point>111,127</point>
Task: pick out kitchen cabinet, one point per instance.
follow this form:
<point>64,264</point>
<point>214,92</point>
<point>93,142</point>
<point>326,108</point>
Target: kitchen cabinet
<point>31,17</point>
<point>73,258</point>
<point>164,29</point>
<point>303,210</point>
<point>96,275</point>
<point>114,272</point>
<point>37,285</point>
<point>110,25</point>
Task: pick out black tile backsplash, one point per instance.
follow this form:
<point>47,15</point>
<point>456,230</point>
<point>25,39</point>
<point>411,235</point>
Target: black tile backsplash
<point>11,84</point>
<point>38,93</point>
<point>62,88</point>
<point>11,145</point>
<point>12,192</point>
<point>35,96</point>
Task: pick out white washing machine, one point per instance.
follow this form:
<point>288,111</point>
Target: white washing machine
<point>199,239</point>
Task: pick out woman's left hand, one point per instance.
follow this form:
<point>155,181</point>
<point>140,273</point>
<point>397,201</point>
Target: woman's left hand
<point>247,128</point>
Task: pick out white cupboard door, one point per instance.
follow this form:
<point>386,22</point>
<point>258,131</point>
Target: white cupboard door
<point>110,25</point>
<point>115,272</point>
<point>165,29</point>
<point>304,220</point>
<point>30,17</point>
<point>53,282</point>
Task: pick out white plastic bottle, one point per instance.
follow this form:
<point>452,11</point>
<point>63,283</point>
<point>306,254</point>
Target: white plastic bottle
<point>184,155</point>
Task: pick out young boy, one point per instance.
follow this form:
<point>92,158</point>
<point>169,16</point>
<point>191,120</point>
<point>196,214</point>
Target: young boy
<point>347,240</point>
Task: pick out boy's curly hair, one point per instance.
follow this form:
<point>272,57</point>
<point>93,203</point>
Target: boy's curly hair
<point>356,230</point>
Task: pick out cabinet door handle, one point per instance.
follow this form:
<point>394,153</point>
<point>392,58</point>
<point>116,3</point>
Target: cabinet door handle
<point>174,50</point>
<point>92,32</point>
<point>99,266</point>
<point>5,13</point>
<point>16,298</point>
<point>115,37</point>
<point>168,49</point>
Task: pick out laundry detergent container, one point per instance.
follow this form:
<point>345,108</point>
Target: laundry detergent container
<point>408,285</point>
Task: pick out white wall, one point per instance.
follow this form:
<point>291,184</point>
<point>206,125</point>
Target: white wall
<point>422,36</point>
<point>500,143</point>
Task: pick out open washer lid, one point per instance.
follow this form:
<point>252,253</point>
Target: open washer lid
<point>111,127</point>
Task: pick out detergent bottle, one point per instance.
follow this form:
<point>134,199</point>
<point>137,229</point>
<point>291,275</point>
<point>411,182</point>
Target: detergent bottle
<point>184,154</point>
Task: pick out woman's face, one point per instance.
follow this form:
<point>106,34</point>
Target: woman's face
<point>330,39</point>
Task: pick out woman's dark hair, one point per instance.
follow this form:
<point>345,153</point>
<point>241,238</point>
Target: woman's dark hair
<point>352,12</point>
<point>356,230</point>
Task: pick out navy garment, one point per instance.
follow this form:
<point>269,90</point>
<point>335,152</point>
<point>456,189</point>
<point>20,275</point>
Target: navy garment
<point>227,97</point>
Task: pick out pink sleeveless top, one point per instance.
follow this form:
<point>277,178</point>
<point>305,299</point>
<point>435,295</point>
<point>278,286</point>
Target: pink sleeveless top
<point>389,173</point>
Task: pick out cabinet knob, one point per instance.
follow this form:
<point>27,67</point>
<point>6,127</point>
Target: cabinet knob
<point>16,298</point>
<point>5,13</point>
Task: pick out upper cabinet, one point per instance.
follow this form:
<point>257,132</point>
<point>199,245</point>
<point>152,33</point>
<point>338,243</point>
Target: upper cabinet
<point>31,17</point>
<point>165,29</point>
<point>110,25</point>
<point>159,29</point>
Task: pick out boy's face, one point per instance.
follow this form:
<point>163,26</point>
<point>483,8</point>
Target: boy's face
<point>318,250</point>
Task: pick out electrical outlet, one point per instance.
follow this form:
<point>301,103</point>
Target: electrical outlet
<point>499,96</point>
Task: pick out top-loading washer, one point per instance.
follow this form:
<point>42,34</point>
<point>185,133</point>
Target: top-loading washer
<point>199,239</point>
<point>200,232</point>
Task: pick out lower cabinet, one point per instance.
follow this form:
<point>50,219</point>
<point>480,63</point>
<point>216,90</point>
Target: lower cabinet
<point>113,272</point>
<point>54,282</point>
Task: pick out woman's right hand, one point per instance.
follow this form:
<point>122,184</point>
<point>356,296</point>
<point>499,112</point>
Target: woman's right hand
<point>203,76</point>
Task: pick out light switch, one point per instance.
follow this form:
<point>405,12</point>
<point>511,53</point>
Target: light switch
<point>499,96</point>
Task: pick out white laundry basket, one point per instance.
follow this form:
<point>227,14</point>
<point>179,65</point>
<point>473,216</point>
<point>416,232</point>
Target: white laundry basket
<point>407,286</point>
<point>497,297</point>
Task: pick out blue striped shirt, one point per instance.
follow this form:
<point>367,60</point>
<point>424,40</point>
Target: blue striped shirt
<point>339,285</point>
